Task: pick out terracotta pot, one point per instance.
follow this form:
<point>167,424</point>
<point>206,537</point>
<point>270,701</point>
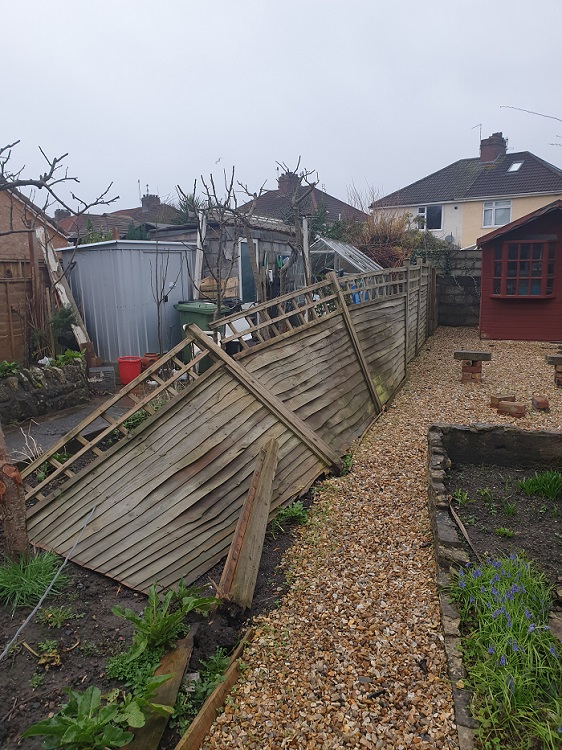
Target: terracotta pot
<point>149,359</point>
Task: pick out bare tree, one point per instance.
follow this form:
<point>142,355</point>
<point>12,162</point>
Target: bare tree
<point>221,224</point>
<point>13,179</point>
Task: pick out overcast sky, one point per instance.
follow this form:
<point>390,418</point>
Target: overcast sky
<point>367,92</point>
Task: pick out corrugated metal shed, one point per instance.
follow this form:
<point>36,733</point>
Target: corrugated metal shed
<point>115,284</point>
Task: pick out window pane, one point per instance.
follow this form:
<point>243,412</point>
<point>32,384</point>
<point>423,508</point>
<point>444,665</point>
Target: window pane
<point>512,268</point>
<point>510,287</point>
<point>550,269</point>
<point>524,268</point>
<point>551,250</point>
<point>524,252</point>
<point>549,286</point>
<point>498,268</point>
<point>434,215</point>
<point>512,252</point>
<point>497,253</point>
<point>523,287</point>
<point>536,268</point>
<point>502,204</point>
<point>497,286</point>
<point>503,216</point>
<point>537,250</point>
<point>535,286</point>
<point>487,221</point>
<point>488,204</point>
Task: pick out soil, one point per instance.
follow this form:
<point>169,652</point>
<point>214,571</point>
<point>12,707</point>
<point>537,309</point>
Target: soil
<point>494,506</point>
<point>93,633</point>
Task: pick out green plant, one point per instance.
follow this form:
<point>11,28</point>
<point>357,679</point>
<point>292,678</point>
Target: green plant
<point>546,484</point>
<point>54,617</point>
<point>69,357</point>
<point>460,497</point>
<point>504,532</point>
<point>510,509</point>
<point>512,658</point>
<point>24,581</point>
<point>47,468</point>
<point>192,695</point>
<point>295,513</point>
<point>162,622</point>
<point>8,368</point>
<point>486,495</point>
<point>48,645</point>
<point>37,680</point>
<point>90,722</point>
<point>89,648</point>
<point>346,464</point>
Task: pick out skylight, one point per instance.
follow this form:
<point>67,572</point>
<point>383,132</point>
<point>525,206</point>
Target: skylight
<point>515,167</point>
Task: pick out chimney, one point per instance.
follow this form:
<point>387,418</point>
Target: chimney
<point>493,147</point>
<point>60,214</point>
<point>289,183</point>
<point>150,203</point>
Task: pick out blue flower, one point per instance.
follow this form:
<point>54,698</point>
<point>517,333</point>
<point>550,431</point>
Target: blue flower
<point>471,600</point>
<point>462,584</point>
<point>514,646</point>
<point>461,572</point>
<point>512,556</point>
<point>491,649</point>
<point>530,628</point>
<point>527,614</point>
<point>476,573</point>
<point>553,651</point>
<point>482,590</point>
<point>503,661</point>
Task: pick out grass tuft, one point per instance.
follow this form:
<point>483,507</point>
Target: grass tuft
<point>24,581</point>
<point>546,484</point>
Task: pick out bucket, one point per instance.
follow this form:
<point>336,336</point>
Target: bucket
<point>129,368</point>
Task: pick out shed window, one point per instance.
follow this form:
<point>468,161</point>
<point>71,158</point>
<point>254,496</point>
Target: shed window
<point>524,269</point>
<point>496,213</point>
<point>430,217</point>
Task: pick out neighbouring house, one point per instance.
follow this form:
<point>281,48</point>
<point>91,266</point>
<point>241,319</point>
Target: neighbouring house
<point>126,291</point>
<point>472,195</point>
<point>465,199</point>
<point>278,204</point>
<point>23,276</point>
<point>118,224</point>
<point>521,289</point>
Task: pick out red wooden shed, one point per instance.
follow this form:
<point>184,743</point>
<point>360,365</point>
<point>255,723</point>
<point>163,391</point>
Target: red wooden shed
<point>521,290</point>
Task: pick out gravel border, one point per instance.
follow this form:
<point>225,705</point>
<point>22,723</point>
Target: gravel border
<point>356,654</point>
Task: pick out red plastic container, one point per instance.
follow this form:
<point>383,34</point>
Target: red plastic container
<point>129,368</point>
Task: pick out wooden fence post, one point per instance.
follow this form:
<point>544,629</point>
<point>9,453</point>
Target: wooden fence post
<point>240,573</point>
<point>355,341</point>
<point>407,318</point>
<point>418,311</point>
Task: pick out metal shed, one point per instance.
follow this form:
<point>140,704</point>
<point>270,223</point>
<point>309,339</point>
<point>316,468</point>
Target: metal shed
<point>116,284</point>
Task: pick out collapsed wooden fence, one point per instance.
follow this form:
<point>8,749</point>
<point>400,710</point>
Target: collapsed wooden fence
<point>155,494</point>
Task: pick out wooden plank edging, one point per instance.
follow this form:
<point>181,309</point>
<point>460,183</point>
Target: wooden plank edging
<point>201,724</point>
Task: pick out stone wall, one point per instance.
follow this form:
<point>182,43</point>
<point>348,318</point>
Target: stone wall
<point>458,290</point>
<point>39,390</point>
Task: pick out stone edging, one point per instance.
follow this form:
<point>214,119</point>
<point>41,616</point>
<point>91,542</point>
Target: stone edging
<point>449,548</point>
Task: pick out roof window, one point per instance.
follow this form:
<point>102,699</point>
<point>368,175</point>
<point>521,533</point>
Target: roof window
<point>515,167</point>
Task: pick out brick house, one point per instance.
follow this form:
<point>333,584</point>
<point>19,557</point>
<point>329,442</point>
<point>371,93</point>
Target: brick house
<point>21,273</point>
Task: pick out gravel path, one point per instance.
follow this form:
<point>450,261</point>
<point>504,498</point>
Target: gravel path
<point>354,655</point>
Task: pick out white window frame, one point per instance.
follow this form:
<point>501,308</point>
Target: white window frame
<point>422,211</point>
<point>490,211</point>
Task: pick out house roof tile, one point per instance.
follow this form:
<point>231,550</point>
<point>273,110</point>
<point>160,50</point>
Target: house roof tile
<point>276,204</point>
<point>470,178</point>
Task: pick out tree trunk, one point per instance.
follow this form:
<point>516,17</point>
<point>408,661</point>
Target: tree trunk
<point>12,505</point>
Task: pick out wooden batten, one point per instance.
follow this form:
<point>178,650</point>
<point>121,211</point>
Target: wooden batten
<point>240,574</point>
